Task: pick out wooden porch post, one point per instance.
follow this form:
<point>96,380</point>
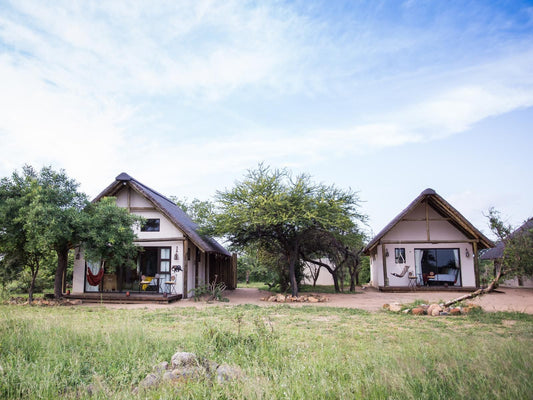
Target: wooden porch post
<point>185,266</point>
<point>476,263</point>
<point>385,278</point>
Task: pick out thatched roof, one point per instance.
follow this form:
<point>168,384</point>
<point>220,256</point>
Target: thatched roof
<point>442,207</point>
<point>497,252</point>
<point>174,213</point>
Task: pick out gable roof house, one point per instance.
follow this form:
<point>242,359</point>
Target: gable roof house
<point>429,245</point>
<point>496,254</point>
<point>173,257</point>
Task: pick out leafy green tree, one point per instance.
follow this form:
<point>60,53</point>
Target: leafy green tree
<point>42,213</point>
<point>108,233</point>
<point>25,218</point>
<point>202,212</point>
<point>278,211</point>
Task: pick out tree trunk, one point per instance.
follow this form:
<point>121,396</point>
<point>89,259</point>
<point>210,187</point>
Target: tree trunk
<point>335,281</point>
<point>292,272</point>
<point>62,262</point>
<point>34,272</point>
<point>493,285</point>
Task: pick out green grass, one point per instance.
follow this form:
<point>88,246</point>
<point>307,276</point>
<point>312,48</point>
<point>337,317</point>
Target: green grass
<point>286,353</point>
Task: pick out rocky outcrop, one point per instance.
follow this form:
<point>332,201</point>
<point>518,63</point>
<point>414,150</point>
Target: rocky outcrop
<point>431,309</point>
<point>281,298</point>
<point>186,366</point>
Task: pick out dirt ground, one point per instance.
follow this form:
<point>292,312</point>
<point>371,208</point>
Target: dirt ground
<point>506,299</point>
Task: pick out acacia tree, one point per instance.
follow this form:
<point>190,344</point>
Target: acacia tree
<point>273,209</point>
<point>517,260</point>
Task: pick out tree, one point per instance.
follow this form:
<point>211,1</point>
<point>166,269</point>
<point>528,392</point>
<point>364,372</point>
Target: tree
<point>517,260</point>
<point>279,212</point>
<point>42,213</point>
<point>200,211</point>
<point>25,216</point>
<point>108,235</point>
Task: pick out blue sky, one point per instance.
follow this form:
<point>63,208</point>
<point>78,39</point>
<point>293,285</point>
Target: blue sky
<point>384,97</point>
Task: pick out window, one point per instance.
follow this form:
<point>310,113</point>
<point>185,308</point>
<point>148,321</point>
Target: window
<point>164,265</point>
<point>151,225</point>
<point>399,255</point>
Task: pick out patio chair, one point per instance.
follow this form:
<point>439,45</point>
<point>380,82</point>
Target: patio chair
<point>171,285</point>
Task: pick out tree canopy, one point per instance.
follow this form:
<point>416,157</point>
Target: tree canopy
<point>42,213</point>
<point>284,214</point>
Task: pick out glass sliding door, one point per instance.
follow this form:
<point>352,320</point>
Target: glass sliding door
<point>438,267</point>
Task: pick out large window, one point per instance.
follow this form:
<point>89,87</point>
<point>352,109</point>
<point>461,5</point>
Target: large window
<point>439,266</point>
<point>151,225</point>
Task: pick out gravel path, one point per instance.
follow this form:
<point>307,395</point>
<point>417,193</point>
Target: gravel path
<point>506,299</point>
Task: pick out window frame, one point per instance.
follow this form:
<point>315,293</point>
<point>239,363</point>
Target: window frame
<point>151,229</point>
<point>399,255</point>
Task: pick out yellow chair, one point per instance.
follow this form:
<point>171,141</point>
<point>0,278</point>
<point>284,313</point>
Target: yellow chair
<point>145,282</point>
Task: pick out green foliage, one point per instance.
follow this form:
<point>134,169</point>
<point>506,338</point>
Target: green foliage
<point>278,212</point>
<point>108,236</point>
<point>211,291</point>
<point>518,246</point>
<point>202,212</point>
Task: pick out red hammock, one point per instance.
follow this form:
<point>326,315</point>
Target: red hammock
<point>94,280</point>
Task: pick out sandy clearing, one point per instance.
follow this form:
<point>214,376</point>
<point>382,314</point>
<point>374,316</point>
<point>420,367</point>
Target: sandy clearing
<point>506,299</point>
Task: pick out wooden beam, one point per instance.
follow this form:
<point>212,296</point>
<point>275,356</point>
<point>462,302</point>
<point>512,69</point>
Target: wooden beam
<point>424,219</point>
<point>172,239</point>
<point>476,263</point>
<point>427,221</point>
<point>185,267</point>
<point>385,278</point>
<point>427,241</point>
<point>142,208</point>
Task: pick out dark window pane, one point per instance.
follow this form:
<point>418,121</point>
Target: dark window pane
<point>151,225</point>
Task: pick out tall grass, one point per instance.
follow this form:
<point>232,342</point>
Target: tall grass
<point>286,353</point>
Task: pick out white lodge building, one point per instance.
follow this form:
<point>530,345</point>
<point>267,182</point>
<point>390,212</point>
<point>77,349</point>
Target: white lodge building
<point>429,244</point>
<point>173,257</point>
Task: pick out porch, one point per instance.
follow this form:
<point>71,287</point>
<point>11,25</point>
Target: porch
<point>125,297</point>
<point>403,289</point>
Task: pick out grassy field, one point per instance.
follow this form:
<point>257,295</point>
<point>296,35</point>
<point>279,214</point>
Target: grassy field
<point>286,353</point>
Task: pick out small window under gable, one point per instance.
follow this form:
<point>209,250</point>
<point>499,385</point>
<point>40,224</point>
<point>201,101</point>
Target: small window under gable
<point>399,255</point>
<point>151,225</point>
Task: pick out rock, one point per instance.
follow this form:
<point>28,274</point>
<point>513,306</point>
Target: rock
<point>406,311</point>
<point>183,359</point>
<point>187,373</point>
<point>151,380</point>
<point>434,309</point>
<point>395,307</point>
<point>210,367</point>
<point>161,367</point>
<point>418,311</point>
<point>168,376</point>
<point>227,373</point>
<point>455,311</point>
<point>312,299</point>
<point>280,298</point>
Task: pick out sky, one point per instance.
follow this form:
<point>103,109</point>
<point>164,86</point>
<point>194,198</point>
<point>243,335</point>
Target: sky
<point>386,98</point>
